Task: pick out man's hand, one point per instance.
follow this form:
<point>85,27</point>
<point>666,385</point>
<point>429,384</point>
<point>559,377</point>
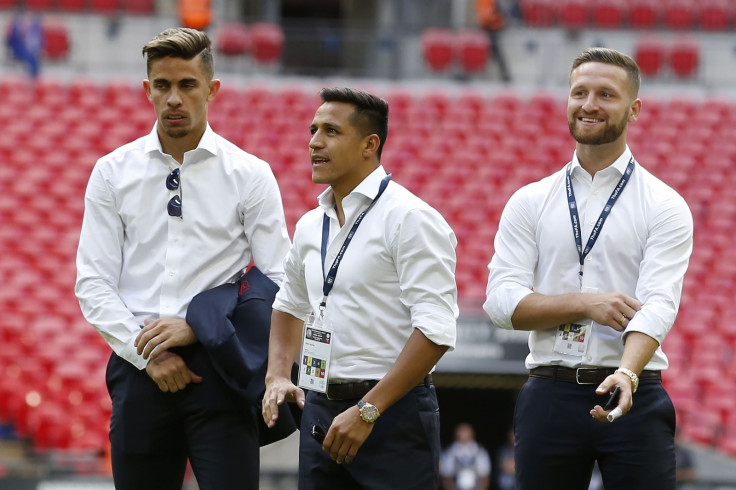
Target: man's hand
<point>170,372</point>
<point>161,335</point>
<point>347,434</point>
<point>625,398</point>
<point>278,391</point>
<point>612,309</point>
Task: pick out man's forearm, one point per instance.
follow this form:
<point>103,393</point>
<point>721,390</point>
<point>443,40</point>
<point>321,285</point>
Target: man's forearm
<point>538,311</point>
<point>284,343</point>
<point>416,359</point>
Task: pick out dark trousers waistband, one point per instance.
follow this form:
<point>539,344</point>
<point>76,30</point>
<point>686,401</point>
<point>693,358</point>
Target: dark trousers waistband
<point>357,389</point>
<point>584,376</point>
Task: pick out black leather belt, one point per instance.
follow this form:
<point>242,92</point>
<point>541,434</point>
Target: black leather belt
<point>584,376</point>
<point>357,389</point>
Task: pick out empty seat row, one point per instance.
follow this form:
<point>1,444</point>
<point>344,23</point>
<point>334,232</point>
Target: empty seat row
<point>707,15</point>
<point>468,174</point>
<point>443,49</point>
<point>106,7</point>
<point>656,57</point>
<point>265,41</point>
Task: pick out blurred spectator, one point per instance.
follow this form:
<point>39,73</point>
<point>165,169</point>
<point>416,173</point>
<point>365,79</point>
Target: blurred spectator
<point>492,20</point>
<point>506,479</point>
<point>685,471</point>
<point>195,14</point>
<point>465,465</point>
<point>25,41</point>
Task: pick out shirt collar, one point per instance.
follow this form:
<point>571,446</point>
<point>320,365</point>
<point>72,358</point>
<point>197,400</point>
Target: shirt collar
<point>620,164</point>
<point>206,143</point>
<point>368,187</point>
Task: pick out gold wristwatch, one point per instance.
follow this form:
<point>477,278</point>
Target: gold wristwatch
<point>631,374</point>
<point>368,411</point>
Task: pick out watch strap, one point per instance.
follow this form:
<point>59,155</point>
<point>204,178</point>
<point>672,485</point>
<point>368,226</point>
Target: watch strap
<point>632,375</point>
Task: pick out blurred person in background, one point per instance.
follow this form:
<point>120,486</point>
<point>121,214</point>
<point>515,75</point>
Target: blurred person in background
<point>505,472</point>
<point>491,19</point>
<point>25,41</point>
<point>465,464</point>
<point>684,462</point>
<point>370,294</point>
<point>170,215</point>
<point>592,260</point>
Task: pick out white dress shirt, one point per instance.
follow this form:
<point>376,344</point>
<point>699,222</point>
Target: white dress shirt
<point>135,262</point>
<point>643,251</point>
<point>397,274</point>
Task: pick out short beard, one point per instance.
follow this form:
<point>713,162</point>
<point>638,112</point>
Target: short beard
<point>179,133</point>
<point>609,134</point>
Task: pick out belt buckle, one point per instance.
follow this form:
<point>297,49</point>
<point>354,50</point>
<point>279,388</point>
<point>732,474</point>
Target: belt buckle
<point>577,377</point>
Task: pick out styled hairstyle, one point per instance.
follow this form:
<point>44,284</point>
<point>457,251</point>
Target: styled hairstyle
<point>181,42</point>
<point>370,115</point>
<point>611,57</point>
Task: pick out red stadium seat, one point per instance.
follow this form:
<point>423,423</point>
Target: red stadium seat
<point>104,6</point>
<point>56,40</point>
<point>39,5</point>
<point>438,48</point>
<point>650,55</point>
<point>538,13</point>
<point>644,14</point>
<point>233,39</point>
<point>679,14</point>
<point>71,5</point>
<point>473,50</point>
<point>267,42</point>
<point>715,15</point>
<point>610,14</point>
<point>684,57</point>
<point>573,14</point>
<point>140,7</point>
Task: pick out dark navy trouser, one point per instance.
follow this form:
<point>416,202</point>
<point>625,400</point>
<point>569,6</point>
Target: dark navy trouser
<point>558,442</point>
<point>402,452</point>
<point>153,433</point>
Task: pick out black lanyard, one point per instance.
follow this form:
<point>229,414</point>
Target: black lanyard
<point>330,277</point>
<point>596,231</point>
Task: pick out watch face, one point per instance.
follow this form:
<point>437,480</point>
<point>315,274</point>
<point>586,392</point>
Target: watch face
<point>369,413</point>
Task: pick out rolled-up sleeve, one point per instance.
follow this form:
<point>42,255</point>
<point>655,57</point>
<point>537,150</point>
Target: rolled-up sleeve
<point>511,270</point>
<point>293,296</point>
<point>424,253</point>
<point>662,270</point>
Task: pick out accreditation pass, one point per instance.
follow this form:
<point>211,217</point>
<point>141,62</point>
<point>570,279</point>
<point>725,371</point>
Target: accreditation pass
<point>315,356</point>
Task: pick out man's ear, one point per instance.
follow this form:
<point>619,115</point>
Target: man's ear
<point>371,144</point>
<point>214,88</point>
<point>147,88</point>
<point>635,110</point>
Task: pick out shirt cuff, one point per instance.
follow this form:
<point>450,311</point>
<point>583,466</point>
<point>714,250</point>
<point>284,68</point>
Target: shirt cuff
<point>438,324</point>
<point>130,354</point>
<point>284,308</point>
<point>502,303</point>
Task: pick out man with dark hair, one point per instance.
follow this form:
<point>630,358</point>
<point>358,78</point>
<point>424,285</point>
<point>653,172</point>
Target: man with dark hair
<point>372,275</point>
<point>168,216</point>
<point>592,260</point>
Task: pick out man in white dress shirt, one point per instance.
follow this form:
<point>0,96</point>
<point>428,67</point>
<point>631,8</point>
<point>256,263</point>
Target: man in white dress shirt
<point>375,265</point>
<point>170,215</point>
<point>591,260</point>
